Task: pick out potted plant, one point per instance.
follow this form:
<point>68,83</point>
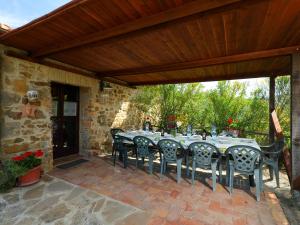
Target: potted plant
<point>233,127</point>
<point>29,164</point>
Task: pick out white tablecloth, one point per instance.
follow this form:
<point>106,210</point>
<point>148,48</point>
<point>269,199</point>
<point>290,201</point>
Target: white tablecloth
<point>222,143</point>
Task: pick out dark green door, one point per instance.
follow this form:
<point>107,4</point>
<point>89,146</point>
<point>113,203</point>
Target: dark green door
<point>65,119</point>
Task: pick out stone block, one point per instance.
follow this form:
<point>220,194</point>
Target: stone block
<point>36,192</point>
<point>38,114</point>
<point>19,86</point>
<point>15,148</point>
<point>8,98</point>
<point>55,213</point>
<point>13,115</point>
<point>10,129</point>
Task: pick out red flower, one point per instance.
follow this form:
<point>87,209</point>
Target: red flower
<point>26,154</point>
<point>18,158</point>
<point>230,120</point>
<point>39,153</point>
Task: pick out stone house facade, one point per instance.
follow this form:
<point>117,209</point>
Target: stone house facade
<point>28,126</point>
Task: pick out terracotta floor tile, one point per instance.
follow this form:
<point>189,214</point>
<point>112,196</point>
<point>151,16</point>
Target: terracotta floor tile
<point>170,203</point>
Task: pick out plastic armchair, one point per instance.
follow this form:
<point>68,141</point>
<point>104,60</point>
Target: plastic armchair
<point>143,150</point>
<point>271,154</point>
<point>172,152</point>
<point>121,148</point>
<point>203,157</point>
<point>113,133</point>
<point>245,160</point>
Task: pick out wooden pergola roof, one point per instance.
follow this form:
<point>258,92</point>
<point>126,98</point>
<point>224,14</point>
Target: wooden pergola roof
<point>136,42</point>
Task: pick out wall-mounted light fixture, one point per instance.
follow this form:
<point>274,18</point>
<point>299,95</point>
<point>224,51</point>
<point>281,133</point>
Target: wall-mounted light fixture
<point>32,95</point>
<point>104,85</point>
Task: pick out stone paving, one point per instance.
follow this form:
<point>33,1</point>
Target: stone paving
<point>290,203</point>
<point>167,202</point>
<point>57,202</point>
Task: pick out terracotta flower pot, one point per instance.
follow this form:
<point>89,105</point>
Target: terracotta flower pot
<point>235,132</point>
<point>31,177</point>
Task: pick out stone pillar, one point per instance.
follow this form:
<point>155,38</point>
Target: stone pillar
<point>271,108</point>
<point>295,121</point>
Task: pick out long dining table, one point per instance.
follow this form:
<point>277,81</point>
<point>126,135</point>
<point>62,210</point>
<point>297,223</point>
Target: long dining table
<point>221,142</point>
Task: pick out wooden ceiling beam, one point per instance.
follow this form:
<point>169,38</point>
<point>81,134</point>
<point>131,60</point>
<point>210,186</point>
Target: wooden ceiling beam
<point>60,10</point>
<point>185,10</point>
<point>66,68</point>
<point>204,62</point>
<point>217,78</point>
<point>52,64</point>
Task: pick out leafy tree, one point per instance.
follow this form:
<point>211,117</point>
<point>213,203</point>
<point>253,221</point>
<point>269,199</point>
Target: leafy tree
<point>192,105</point>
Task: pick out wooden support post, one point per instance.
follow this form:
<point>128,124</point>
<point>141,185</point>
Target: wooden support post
<point>295,121</point>
<point>271,108</point>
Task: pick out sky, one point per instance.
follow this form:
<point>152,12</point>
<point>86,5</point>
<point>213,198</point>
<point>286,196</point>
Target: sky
<point>252,84</point>
<point>16,13</point>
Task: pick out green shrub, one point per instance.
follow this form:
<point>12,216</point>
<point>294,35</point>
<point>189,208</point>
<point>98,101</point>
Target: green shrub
<point>8,175</point>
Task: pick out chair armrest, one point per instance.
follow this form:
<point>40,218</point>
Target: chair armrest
<point>266,148</point>
<point>271,154</point>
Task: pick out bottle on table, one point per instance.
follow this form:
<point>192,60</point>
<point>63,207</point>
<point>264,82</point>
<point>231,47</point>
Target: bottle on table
<point>147,127</point>
<point>213,132</point>
<point>189,130</point>
<point>204,135</point>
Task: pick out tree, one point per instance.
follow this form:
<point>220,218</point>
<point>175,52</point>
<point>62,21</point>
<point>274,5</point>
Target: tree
<point>192,105</point>
<point>172,99</point>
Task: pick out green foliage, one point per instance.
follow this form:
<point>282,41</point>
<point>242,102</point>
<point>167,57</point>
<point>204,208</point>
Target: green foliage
<point>192,105</point>
<point>160,101</point>
<point>8,175</point>
<point>18,166</point>
<point>28,163</point>
<point>227,101</point>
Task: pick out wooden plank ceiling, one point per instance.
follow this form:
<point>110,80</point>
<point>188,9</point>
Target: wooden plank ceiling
<point>166,41</point>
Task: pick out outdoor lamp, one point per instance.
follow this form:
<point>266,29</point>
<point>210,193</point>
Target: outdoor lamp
<point>32,95</point>
<point>104,85</point>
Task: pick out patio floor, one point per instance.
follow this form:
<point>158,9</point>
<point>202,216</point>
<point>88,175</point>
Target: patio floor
<point>57,202</point>
<point>167,202</point>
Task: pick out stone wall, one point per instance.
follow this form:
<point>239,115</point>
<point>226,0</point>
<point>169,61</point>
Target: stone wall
<point>28,126</point>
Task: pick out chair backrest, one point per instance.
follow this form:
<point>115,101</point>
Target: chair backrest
<point>142,145</point>
<point>203,152</point>
<point>245,157</point>
<point>119,141</point>
<point>114,131</point>
<point>170,149</point>
<point>278,149</point>
<point>279,145</point>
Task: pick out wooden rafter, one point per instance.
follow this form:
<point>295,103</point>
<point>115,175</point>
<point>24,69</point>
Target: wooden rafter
<point>50,64</point>
<point>188,9</point>
<point>61,10</point>
<point>217,78</point>
<point>66,68</point>
<point>204,62</point>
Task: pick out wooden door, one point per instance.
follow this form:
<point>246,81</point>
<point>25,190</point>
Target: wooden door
<point>65,120</point>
